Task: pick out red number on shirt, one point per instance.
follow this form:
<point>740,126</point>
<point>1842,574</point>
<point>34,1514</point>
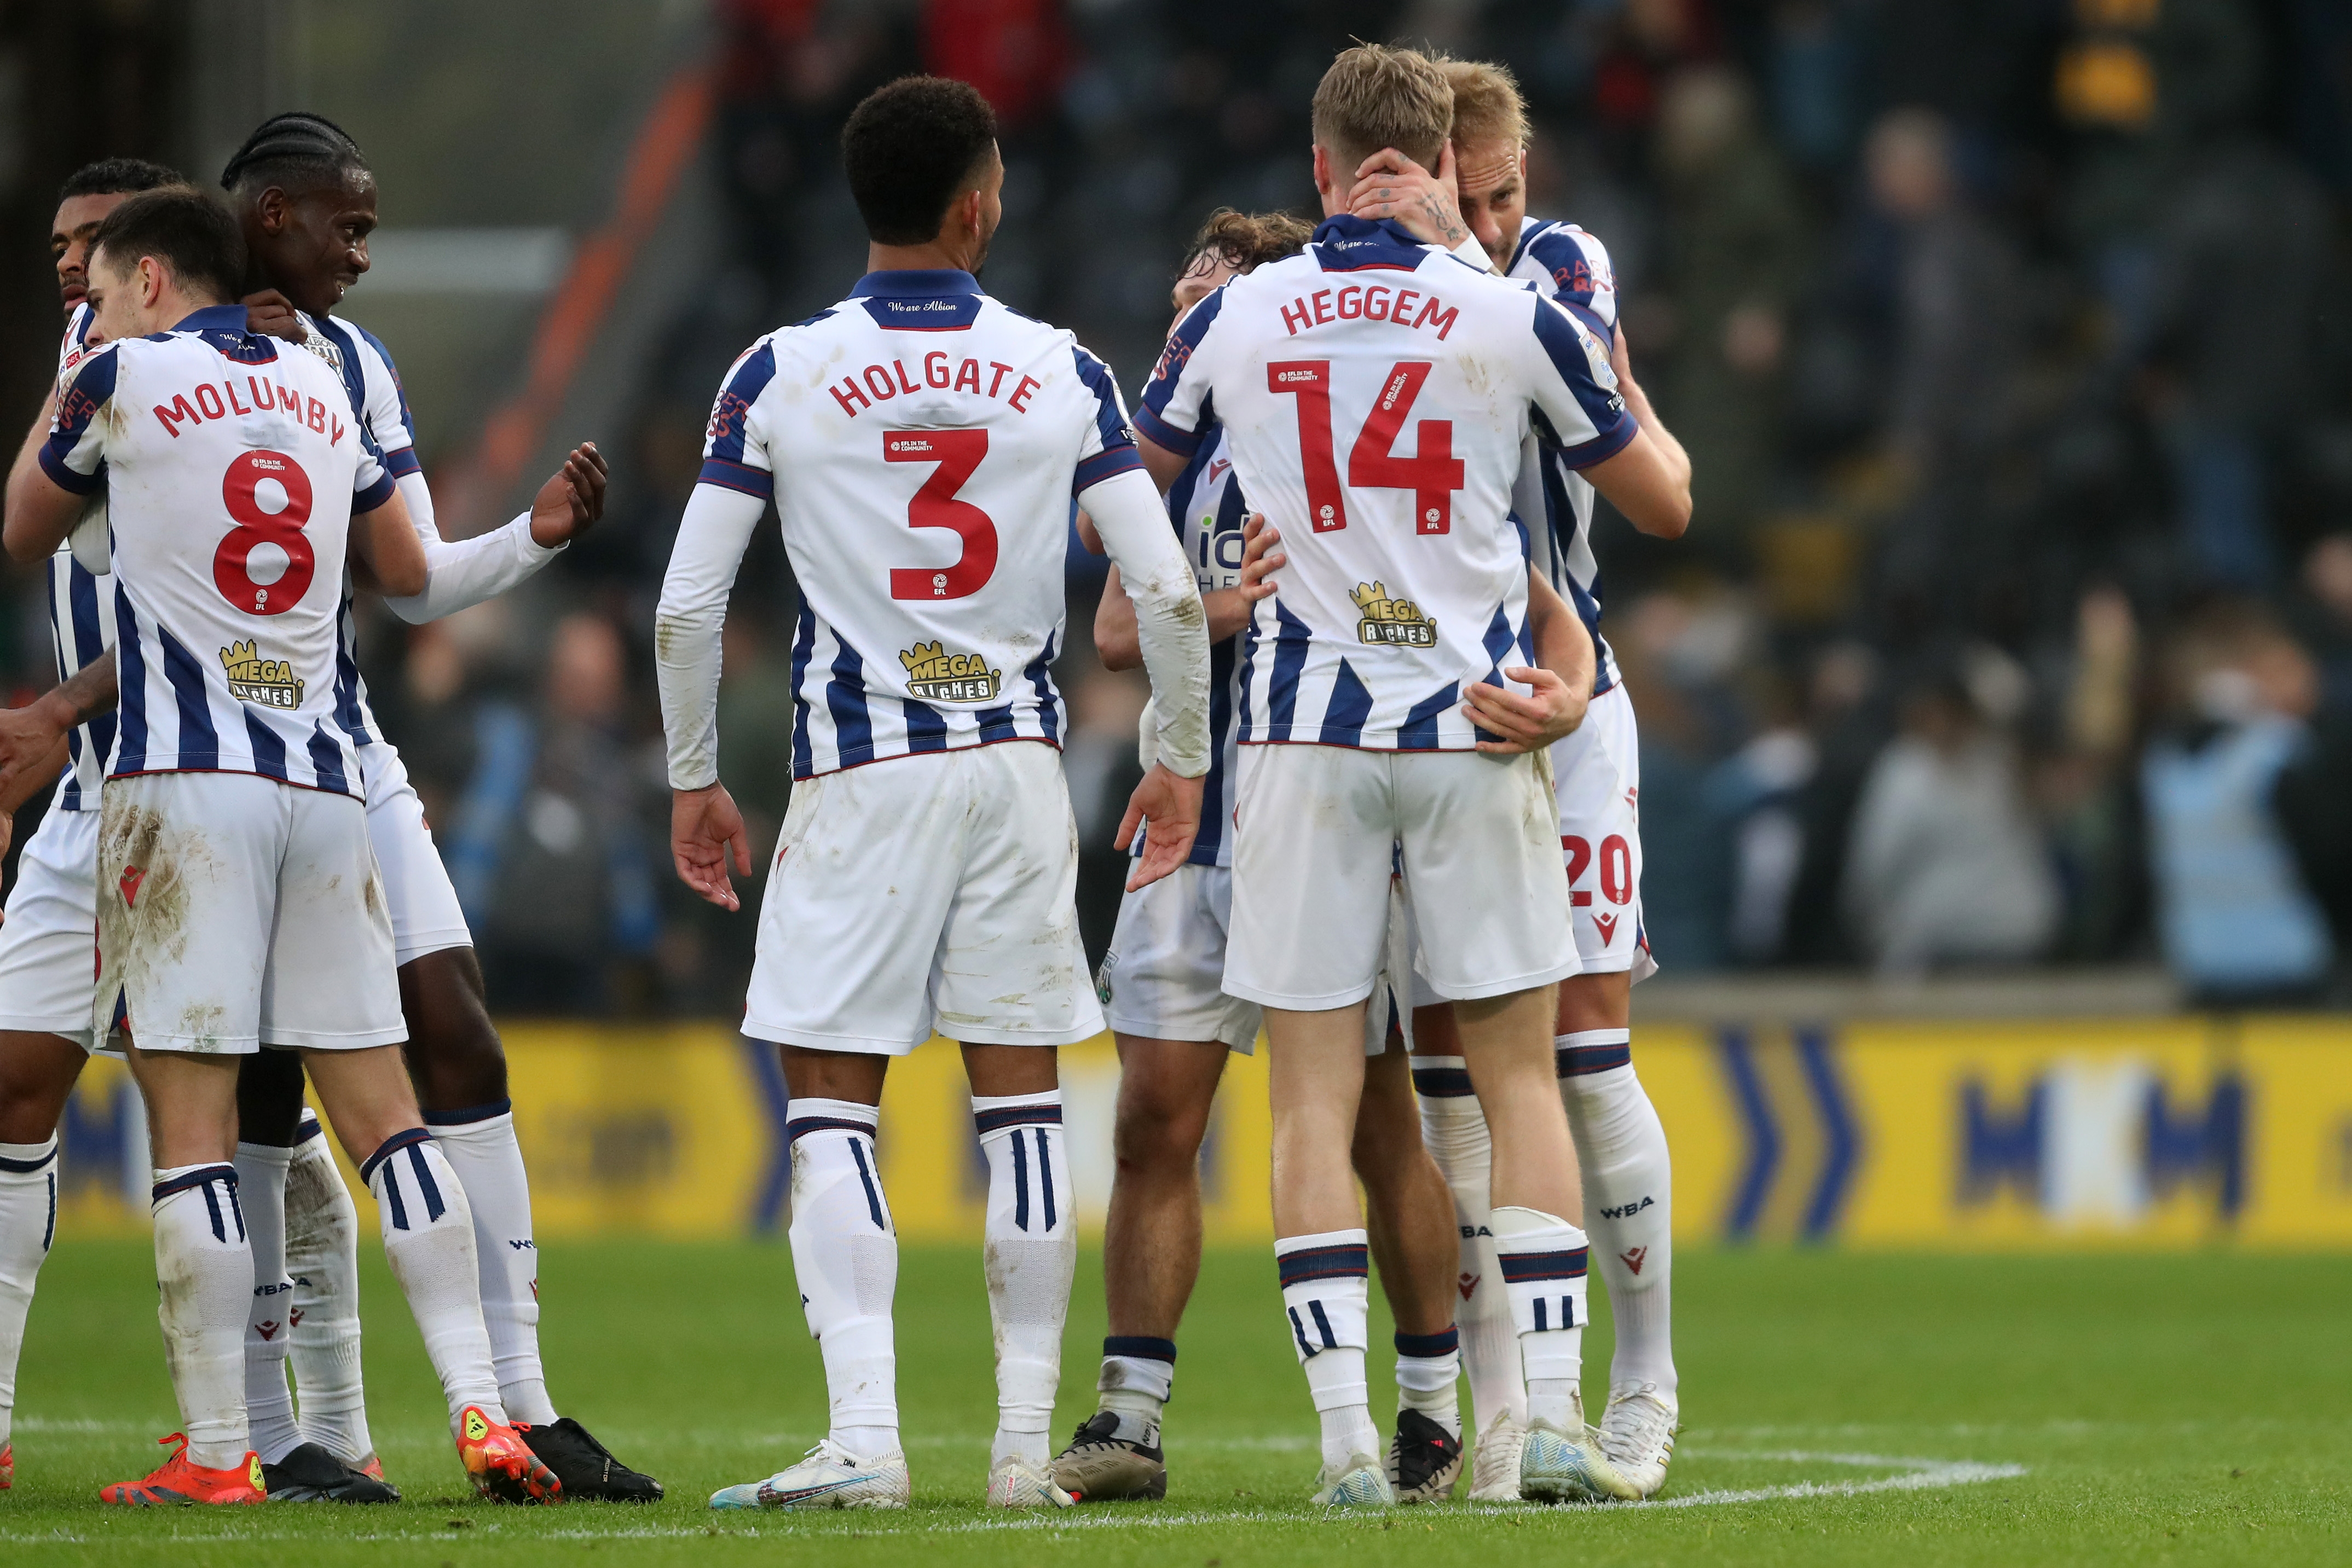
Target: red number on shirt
<point>1433,474</point>
<point>957,452</point>
<point>1616,870</point>
<point>1579,859</point>
<point>233,561</point>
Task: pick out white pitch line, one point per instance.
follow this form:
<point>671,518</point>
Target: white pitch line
<point>1916,1475</point>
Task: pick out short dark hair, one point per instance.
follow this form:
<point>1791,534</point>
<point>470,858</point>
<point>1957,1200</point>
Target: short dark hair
<point>909,150</point>
<point>187,229</point>
<point>117,176</point>
<point>294,152</point>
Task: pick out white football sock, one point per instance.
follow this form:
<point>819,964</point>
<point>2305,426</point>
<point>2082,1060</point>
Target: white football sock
<point>1429,1376</point>
<point>203,1272</point>
<point>1031,1253</point>
<point>846,1259</point>
<point>1543,1258</point>
<point>1326,1294</point>
<point>428,1238</point>
<point>480,1144</point>
<point>28,1223</point>
<point>323,1259</point>
<point>269,1329</point>
<point>1139,1377</point>
<point>1620,1148</point>
<point>1454,1129</point>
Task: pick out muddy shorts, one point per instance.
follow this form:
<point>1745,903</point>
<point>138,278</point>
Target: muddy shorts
<point>235,912</point>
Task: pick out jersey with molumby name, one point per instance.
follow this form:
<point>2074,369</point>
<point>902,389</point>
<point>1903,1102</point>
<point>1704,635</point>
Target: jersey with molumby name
<point>1572,267</point>
<point>1376,392</point>
<point>922,443</point>
<point>381,404</point>
<point>232,464</point>
<point>1206,505</point>
<point>81,621</point>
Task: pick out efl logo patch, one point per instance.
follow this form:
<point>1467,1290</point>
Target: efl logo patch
<point>272,682</point>
<point>1395,622</point>
<point>131,877</point>
<point>936,676</point>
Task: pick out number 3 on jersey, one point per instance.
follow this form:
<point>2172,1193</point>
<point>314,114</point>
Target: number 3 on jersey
<point>1433,474</point>
<point>233,561</point>
<point>958,453</point>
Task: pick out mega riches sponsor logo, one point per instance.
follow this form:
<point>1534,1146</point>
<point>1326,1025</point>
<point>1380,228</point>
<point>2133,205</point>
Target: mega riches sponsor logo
<point>253,679</point>
<point>1395,622</point>
<point>936,676</point>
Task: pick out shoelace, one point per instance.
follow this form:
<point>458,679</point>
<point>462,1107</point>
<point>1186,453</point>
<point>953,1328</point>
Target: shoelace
<point>1646,1427</point>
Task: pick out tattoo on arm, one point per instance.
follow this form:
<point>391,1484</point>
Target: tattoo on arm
<point>1442,219</point>
<point>92,690</point>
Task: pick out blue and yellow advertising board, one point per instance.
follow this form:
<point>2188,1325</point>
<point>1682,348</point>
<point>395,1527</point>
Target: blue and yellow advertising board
<point>1982,1134</point>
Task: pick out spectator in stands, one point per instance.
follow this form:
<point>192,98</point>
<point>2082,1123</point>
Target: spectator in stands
<point>1945,866</point>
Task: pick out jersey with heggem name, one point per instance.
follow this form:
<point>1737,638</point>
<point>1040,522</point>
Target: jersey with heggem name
<point>232,464</point>
<point>1376,392</point>
<point>81,621</point>
<point>1206,505</point>
<point>1572,267</point>
<point>921,444</point>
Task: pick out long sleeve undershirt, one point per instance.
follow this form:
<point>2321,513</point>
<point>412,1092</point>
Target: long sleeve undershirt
<point>461,573</point>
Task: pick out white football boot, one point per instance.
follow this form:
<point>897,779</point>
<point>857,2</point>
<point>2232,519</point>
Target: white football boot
<point>1495,1470</point>
<point>1361,1482</point>
<point>1637,1435</point>
<point>1567,1466</point>
<point>1017,1483</point>
<point>828,1476</point>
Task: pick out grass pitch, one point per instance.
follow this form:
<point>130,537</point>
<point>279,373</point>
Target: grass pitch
<point>1925,1410</point>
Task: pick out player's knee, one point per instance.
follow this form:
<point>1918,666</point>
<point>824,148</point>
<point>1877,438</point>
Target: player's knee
<point>35,1080</point>
<point>453,1053</point>
<point>1160,1128</point>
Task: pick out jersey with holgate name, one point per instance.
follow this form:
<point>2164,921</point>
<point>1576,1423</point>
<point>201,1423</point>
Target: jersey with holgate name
<point>381,404</point>
<point>1572,267</point>
<point>922,443</point>
<point>1206,505</point>
<point>1377,391</point>
<point>81,620</point>
<point>232,464</point>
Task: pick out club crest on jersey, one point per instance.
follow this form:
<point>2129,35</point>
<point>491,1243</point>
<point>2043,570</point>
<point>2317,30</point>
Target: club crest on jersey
<point>1398,621</point>
<point>272,682</point>
<point>936,676</point>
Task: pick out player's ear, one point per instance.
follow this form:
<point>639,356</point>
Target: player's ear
<point>1322,170</point>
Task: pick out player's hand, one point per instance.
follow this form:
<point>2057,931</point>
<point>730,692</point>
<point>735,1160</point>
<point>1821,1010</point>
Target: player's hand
<point>272,313</point>
<point>568,505</point>
<point>1390,185</point>
<point>29,738</point>
<point>704,825</point>
<point>1172,806</point>
<point>1259,558</point>
<point>1529,723</point>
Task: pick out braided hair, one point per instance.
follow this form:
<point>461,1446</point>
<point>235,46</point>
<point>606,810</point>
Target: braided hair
<point>294,148</point>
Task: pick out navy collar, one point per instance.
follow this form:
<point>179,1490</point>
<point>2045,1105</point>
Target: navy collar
<point>916,282</point>
<point>213,318</point>
<point>1347,226</point>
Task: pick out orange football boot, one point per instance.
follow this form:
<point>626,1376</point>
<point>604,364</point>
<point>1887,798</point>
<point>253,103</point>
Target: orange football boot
<point>7,1466</point>
<point>181,1481</point>
<point>501,1463</point>
<point>371,1466</point>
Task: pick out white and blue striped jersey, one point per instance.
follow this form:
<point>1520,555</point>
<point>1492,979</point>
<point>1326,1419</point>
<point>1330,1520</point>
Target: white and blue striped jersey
<point>232,464</point>
<point>81,621</point>
<point>1572,267</point>
<point>1376,392</point>
<point>1206,505</point>
<point>381,404</point>
<point>921,444</point>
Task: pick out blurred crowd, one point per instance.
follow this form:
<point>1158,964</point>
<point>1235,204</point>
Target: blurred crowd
<point>2010,340</point>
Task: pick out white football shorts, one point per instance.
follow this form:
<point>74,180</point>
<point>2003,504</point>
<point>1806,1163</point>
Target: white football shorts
<point>1597,774</point>
<point>1164,976</point>
<point>934,893</point>
<point>48,940</point>
<point>1316,829</point>
<point>426,917</point>
<point>235,911</point>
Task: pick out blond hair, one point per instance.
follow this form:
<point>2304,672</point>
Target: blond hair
<point>1374,97</point>
<point>1487,107</point>
<point>1246,241</point>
